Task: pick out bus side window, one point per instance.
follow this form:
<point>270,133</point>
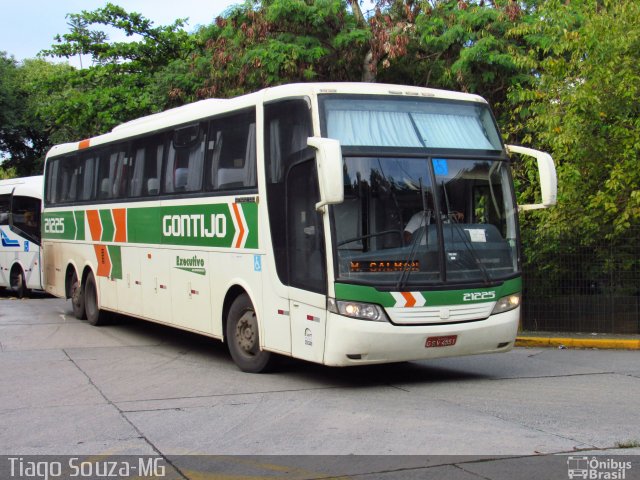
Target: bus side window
<point>232,152</point>
<point>86,177</point>
<point>67,181</point>
<point>110,170</point>
<point>185,160</point>
<point>4,209</point>
<point>144,174</point>
<point>26,215</point>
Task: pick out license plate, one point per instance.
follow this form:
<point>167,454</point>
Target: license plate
<point>445,341</point>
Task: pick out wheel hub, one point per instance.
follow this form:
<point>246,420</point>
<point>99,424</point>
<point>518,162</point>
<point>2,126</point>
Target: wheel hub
<point>246,332</point>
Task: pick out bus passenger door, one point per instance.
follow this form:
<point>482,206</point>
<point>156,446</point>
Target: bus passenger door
<point>306,263</point>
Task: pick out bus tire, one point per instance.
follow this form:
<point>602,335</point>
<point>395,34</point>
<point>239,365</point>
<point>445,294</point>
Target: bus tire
<point>18,282</point>
<point>77,298</point>
<point>243,337</point>
<point>95,316</point>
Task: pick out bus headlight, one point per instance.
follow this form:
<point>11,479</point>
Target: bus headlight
<point>363,311</point>
<point>506,303</point>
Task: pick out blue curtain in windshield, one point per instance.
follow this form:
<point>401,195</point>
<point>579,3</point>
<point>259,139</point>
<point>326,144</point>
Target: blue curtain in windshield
<point>451,131</point>
<point>390,123</point>
<point>361,127</point>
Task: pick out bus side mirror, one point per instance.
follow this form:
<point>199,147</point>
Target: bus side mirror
<point>547,174</point>
<point>330,170</point>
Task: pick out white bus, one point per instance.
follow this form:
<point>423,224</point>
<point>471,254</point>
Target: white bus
<point>20,205</point>
<point>340,223</point>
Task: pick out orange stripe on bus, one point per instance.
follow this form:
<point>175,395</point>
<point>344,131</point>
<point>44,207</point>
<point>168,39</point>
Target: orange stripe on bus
<point>120,220</point>
<point>104,261</point>
<point>411,301</point>
<point>84,144</point>
<point>95,226</point>
<point>236,212</point>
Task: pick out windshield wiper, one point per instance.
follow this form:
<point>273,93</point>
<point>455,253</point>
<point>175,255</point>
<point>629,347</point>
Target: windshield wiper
<point>463,236</point>
<point>415,242</point>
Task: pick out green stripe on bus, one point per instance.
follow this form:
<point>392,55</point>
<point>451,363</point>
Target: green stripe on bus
<point>434,298</point>
<point>108,228</point>
<point>115,255</point>
<point>205,225</point>
<point>250,211</point>
<point>79,222</point>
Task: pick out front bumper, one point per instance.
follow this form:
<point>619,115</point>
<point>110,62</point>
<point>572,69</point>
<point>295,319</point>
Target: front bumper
<point>350,341</point>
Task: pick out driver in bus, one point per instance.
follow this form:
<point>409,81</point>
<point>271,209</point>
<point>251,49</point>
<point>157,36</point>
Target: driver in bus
<point>423,219</point>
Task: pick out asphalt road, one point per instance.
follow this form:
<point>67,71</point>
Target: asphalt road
<point>135,388</point>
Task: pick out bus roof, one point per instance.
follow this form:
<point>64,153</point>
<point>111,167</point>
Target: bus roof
<point>26,186</point>
<point>206,108</point>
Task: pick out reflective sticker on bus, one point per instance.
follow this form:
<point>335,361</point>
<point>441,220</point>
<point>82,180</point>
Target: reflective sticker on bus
<point>8,242</point>
<point>434,298</point>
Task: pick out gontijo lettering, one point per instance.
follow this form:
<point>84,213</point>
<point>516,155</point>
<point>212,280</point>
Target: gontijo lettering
<point>194,225</point>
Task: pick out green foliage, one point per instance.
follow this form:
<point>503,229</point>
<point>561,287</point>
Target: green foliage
<point>23,138</point>
<point>261,44</point>
<point>151,49</point>
<point>583,108</point>
<point>121,83</point>
<point>6,173</point>
<point>451,44</point>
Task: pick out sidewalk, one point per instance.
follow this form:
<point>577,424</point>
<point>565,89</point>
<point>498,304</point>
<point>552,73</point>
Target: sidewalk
<point>578,340</point>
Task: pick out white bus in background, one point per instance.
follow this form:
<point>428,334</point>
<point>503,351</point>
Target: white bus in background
<point>20,262</point>
<point>340,223</point>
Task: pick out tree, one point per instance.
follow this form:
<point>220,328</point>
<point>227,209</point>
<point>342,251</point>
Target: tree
<point>23,139</point>
<point>261,44</point>
<point>120,84</point>
<point>458,45</point>
<point>152,48</point>
<point>582,107</point>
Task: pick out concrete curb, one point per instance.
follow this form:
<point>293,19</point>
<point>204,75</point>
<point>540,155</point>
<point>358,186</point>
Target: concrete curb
<point>609,343</point>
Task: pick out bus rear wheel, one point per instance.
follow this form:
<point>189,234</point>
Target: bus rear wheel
<point>77,298</point>
<point>243,337</point>
<point>18,282</point>
<point>95,316</point>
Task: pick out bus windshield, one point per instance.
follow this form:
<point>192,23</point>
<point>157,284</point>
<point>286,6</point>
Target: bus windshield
<point>428,196</point>
<point>421,221</point>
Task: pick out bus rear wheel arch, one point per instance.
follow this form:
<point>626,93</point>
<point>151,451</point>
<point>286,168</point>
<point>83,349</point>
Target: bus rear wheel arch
<point>18,281</point>
<point>75,292</point>
<point>95,316</point>
<point>243,337</point>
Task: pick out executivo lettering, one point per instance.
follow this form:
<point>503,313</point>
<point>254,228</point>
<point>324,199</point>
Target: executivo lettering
<point>193,264</point>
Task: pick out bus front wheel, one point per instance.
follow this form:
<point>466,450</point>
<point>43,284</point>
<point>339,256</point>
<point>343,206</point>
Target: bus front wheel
<point>243,337</point>
<point>95,316</point>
